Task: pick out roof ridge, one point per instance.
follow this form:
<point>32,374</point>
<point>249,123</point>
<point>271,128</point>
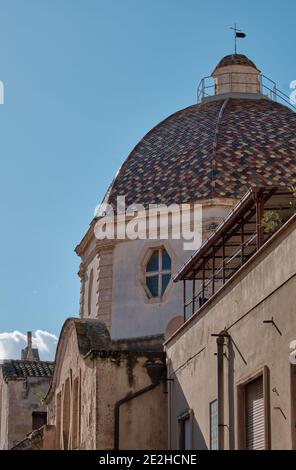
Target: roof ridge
<point>28,361</point>
<point>215,144</point>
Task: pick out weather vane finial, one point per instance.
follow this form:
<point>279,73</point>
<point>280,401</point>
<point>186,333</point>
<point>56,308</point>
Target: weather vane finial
<point>237,34</point>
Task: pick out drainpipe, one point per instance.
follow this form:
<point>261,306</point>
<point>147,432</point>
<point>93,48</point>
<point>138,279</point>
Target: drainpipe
<point>155,371</point>
<point>118,404</point>
<point>220,386</point>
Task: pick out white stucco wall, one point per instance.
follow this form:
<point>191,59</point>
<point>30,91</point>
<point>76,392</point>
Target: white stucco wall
<point>132,312</point>
<point>118,296</point>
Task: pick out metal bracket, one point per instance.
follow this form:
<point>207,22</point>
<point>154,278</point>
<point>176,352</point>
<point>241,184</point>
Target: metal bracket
<point>273,323</point>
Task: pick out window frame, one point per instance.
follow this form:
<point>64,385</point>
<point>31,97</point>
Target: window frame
<point>241,408</point>
<point>160,272</point>
<point>38,414</point>
<point>186,416</point>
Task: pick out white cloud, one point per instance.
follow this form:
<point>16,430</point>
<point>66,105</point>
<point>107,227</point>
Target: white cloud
<point>12,343</point>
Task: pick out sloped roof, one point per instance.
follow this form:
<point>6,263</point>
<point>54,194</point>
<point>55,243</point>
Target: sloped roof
<point>93,338</point>
<point>18,369</point>
<point>218,148</point>
<point>93,335</point>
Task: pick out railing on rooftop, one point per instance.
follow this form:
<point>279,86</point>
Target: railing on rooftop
<point>233,81</point>
<point>257,217</point>
<point>200,297</point>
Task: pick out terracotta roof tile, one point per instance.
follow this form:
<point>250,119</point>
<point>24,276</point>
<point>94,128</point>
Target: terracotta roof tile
<point>23,369</point>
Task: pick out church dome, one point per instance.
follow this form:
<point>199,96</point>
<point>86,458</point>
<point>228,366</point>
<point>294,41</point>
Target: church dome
<point>218,148</point>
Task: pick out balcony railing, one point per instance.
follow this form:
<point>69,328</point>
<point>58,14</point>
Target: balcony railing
<point>256,218</point>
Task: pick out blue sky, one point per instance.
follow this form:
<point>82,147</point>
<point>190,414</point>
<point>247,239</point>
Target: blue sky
<point>84,81</point>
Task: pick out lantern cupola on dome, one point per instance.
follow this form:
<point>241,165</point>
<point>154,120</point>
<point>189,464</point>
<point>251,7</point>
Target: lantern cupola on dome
<point>236,73</point>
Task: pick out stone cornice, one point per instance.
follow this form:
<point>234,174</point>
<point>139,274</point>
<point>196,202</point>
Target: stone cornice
<point>89,236</point>
<point>81,247</point>
<point>116,354</point>
<point>100,245</point>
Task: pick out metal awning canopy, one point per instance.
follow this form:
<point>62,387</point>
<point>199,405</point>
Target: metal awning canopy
<point>240,235</point>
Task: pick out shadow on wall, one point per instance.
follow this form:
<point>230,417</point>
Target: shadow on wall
<point>179,411</point>
<point>184,431</point>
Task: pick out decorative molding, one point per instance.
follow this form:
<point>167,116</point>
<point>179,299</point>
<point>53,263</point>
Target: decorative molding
<point>89,236</point>
<point>81,274</point>
<point>81,247</point>
<point>104,281</point>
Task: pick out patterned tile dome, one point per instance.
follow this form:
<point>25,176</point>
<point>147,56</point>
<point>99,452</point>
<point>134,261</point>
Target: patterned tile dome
<point>215,149</point>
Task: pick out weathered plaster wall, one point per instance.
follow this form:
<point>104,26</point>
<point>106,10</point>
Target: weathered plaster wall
<point>143,422</point>
<point>143,419</point>
<point>3,413</point>
<point>263,290</point>
<point>86,420</point>
<point>71,367</point>
<point>19,399</point>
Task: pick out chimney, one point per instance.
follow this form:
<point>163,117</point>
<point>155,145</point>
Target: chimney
<point>30,354</point>
<point>29,340</point>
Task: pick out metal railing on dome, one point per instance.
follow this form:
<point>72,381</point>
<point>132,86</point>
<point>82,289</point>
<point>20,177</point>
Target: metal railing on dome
<point>230,81</point>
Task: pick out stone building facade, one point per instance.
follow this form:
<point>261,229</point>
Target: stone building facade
<point>105,393</point>
<point>23,386</point>
<point>233,385</point>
